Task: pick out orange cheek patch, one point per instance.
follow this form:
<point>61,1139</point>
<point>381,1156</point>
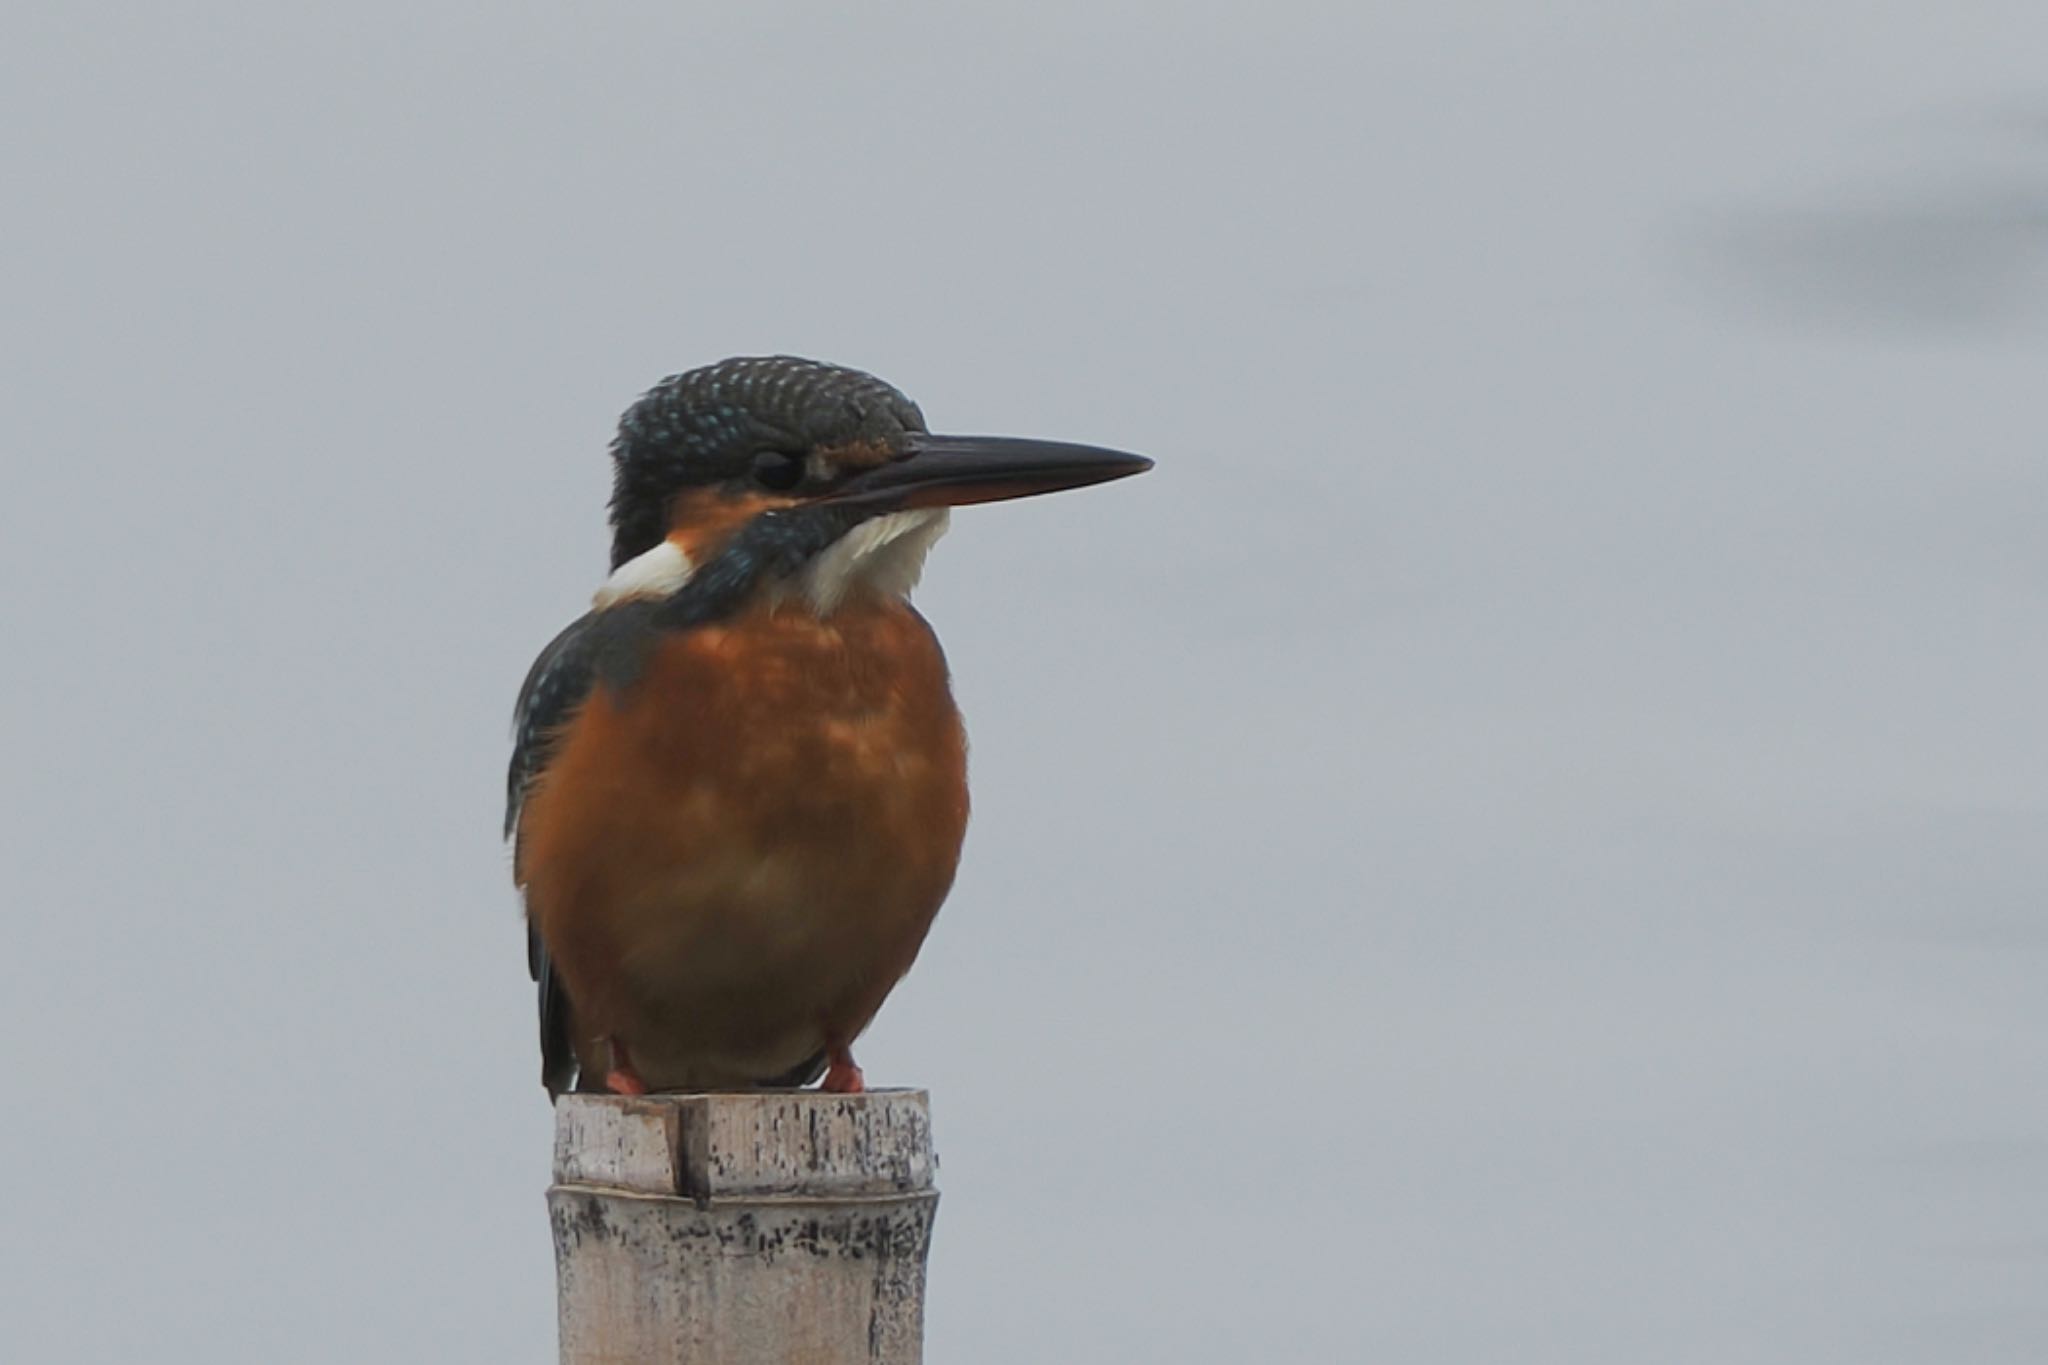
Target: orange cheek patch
<point>702,520</point>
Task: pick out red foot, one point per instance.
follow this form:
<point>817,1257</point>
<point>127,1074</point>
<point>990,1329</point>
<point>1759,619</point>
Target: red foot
<point>622,1079</point>
<point>842,1077</point>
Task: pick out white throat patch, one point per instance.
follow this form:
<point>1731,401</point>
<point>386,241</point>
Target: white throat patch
<point>885,554</point>
<point>656,573</point>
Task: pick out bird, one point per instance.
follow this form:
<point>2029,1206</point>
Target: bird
<point>738,787</point>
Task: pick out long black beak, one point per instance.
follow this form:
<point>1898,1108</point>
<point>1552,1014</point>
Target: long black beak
<point>950,471</point>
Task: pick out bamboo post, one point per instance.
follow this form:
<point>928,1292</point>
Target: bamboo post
<point>773,1226</point>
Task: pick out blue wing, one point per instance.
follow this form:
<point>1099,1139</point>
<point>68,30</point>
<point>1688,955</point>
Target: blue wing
<point>557,684</point>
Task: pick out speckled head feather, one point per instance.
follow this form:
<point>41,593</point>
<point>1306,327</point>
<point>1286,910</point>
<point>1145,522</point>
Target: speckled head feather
<point>709,425</point>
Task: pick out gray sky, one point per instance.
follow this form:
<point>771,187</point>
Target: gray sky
<point>1522,839</point>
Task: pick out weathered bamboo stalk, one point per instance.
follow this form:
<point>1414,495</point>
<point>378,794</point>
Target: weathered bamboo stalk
<point>777,1226</point>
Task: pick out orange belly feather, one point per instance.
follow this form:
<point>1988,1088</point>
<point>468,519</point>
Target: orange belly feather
<point>734,860</point>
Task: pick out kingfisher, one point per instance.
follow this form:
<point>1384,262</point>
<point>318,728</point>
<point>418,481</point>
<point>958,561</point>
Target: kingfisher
<point>738,786</point>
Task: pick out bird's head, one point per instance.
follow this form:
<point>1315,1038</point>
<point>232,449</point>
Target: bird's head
<point>807,476</point>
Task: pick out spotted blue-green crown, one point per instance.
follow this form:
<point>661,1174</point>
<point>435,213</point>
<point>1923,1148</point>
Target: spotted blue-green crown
<point>707,426</point>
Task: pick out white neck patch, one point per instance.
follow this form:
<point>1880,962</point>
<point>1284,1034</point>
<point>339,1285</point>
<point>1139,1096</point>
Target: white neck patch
<point>656,573</point>
<point>884,554</point>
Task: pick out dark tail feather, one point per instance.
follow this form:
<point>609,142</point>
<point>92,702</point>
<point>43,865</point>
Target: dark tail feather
<point>557,1054</point>
<point>800,1075</point>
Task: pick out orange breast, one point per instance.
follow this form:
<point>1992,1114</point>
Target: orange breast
<point>735,859</point>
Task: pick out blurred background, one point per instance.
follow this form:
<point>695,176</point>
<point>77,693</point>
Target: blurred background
<point>1521,840</point>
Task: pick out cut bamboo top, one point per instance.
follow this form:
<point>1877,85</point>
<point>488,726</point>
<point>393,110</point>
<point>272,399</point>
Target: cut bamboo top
<point>747,1146</point>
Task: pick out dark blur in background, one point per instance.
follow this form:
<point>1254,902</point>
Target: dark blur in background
<point>1522,840</point>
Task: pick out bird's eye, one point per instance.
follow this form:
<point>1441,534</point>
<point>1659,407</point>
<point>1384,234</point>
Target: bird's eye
<point>778,470</point>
